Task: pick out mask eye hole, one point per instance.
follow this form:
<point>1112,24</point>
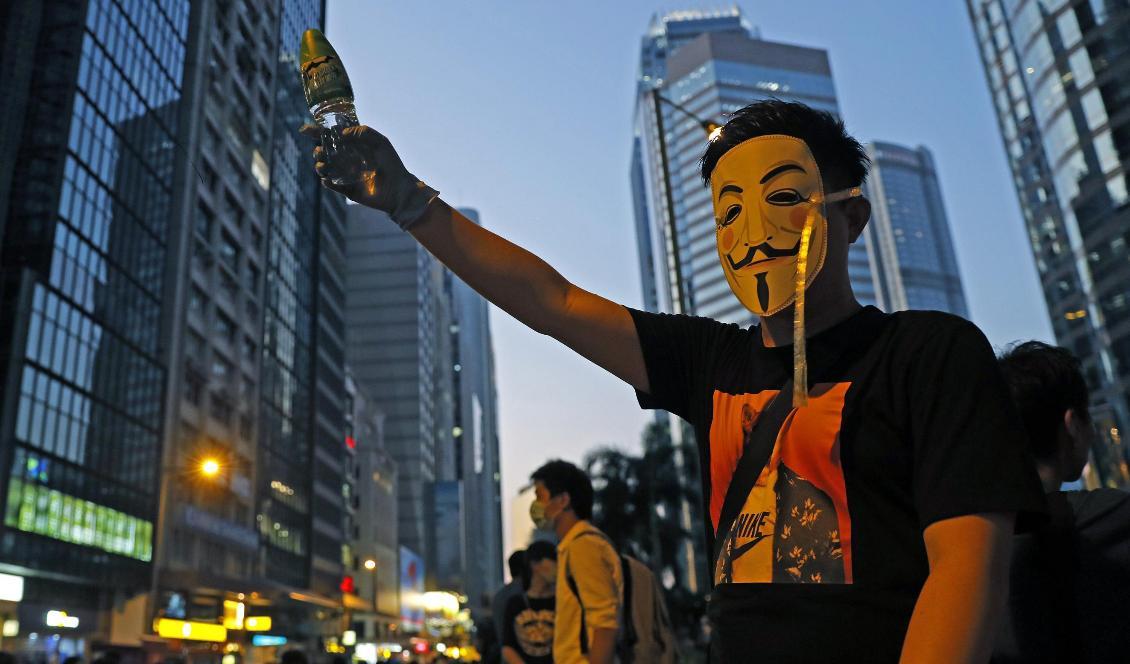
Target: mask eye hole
<point>784,197</point>
<point>730,215</point>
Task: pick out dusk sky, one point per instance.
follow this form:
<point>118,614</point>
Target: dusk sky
<point>523,110</point>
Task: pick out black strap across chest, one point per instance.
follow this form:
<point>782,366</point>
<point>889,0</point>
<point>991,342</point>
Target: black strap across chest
<point>755,454</point>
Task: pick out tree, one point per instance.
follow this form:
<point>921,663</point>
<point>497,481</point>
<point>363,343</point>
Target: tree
<point>637,502</point>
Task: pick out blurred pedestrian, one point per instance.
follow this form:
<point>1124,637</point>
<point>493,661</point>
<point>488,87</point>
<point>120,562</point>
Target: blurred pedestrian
<point>487,638</point>
<point>1069,578</point>
<point>516,564</point>
<point>527,636</point>
<point>589,577</point>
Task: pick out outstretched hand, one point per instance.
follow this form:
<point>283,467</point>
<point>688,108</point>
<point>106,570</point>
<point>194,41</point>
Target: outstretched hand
<point>385,183</point>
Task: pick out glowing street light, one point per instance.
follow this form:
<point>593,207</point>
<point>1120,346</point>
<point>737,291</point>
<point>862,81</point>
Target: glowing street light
<point>370,564</point>
<point>210,467</point>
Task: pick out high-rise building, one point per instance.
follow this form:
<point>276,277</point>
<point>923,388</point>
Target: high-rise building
<point>1059,76</point>
<point>908,235</point>
<point>476,437</point>
<point>172,296</point>
<point>89,118</point>
<point>395,304</point>
<point>374,546</point>
<point>696,67</point>
<point>256,368</point>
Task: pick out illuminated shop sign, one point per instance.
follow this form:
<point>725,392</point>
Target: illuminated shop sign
<point>191,631</point>
<point>60,619</point>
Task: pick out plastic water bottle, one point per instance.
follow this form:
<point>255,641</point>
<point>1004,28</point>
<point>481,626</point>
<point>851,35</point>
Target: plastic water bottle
<point>330,98</point>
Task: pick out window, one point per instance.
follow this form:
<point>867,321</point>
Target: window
<point>229,287</point>
<point>221,408</point>
<point>204,221</point>
<point>194,346</point>
<point>221,368</point>
<point>193,387</point>
<point>251,278</point>
<point>196,302</point>
<point>229,251</point>
<point>225,327</point>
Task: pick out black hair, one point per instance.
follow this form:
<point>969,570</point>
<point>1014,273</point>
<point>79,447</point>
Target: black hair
<point>563,477</point>
<point>842,160</point>
<point>540,550</point>
<point>517,564</point>
<point>294,657</point>
<point>1045,382</point>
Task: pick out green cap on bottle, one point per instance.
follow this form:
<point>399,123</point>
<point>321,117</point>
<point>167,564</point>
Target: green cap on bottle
<point>323,74</point>
<point>314,45</point>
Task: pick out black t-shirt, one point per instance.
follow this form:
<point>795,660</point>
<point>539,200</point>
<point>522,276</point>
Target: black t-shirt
<point>1069,581</point>
<point>528,627</point>
<point>909,422</point>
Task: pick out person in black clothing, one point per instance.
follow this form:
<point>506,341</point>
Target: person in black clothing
<point>879,523</point>
<point>528,626</point>
<point>516,563</point>
<point>1069,577</point>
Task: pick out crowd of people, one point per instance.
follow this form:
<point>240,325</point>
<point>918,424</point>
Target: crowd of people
<point>864,474</point>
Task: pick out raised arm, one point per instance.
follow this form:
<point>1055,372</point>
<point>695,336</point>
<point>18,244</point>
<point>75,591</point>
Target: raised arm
<point>515,280</point>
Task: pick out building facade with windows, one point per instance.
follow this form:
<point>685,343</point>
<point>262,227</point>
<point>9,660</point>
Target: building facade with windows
<point>91,111</point>
<point>374,545</point>
<point>1058,72</point>
<point>396,305</point>
<point>476,437</point>
<point>909,235</point>
<point>173,295</point>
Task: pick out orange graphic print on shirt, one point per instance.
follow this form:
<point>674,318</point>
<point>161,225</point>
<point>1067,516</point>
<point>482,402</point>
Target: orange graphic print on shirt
<point>794,526</point>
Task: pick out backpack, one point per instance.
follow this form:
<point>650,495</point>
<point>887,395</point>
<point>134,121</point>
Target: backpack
<point>646,634</point>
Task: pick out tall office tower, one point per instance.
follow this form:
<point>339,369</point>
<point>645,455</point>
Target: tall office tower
<point>1059,75</point>
<point>909,235</point>
<point>207,536</point>
<point>696,67</point>
<point>395,300</point>
<point>374,538</point>
<point>256,347</point>
<point>88,120</point>
<point>476,437</point>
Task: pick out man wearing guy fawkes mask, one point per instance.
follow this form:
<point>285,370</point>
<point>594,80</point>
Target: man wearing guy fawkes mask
<point>878,525</point>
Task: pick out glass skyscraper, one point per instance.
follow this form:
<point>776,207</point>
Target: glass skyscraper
<point>908,235</point>
<point>87,144</point>
<point>1059,75</point>
<point>172,291</point>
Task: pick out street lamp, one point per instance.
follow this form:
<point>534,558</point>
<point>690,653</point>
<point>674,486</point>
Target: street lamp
<point>680,301</point>
<point>371,565</point>
<point>713,130</point>
<point>209,468</point>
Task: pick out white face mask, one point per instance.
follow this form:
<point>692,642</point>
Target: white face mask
<point>540,517</point>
